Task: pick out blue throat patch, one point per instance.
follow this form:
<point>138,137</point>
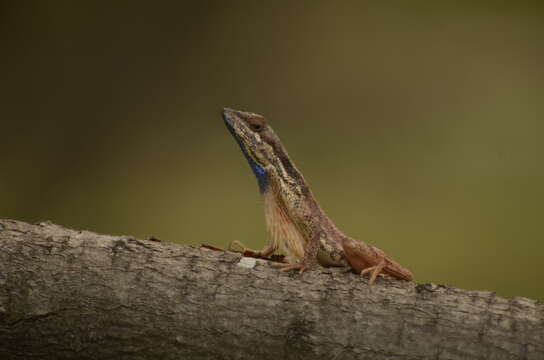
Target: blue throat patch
<point>259,173</point>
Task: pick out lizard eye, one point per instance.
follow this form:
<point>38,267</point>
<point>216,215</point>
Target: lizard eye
<point>256,127</point>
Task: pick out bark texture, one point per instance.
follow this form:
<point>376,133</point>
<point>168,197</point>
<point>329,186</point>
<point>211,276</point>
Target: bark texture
<point>67,294</point>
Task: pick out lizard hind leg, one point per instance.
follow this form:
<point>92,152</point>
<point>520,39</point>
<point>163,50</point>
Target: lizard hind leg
<point>374,270</point>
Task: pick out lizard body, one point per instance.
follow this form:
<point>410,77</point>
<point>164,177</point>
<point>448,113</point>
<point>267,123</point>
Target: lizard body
<point>297,224</point>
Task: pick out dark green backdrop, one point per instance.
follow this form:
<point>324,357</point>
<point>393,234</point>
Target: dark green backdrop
<point>419,126</point>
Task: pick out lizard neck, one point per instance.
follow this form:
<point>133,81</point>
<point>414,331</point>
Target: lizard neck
<point>287,186</point>
<point>293,216</point>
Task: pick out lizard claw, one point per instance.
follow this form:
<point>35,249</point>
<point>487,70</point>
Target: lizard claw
<point>245,250</point>
<point>374,272</point>
<point>288,267</point>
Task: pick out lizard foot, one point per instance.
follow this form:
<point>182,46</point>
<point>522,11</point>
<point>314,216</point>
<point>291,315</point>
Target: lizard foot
<point>375,270</point>
<point>245,250</point>
<point>288,267</point>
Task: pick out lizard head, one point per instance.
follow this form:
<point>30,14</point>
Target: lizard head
<point>248,129</point>
<point>260,145</point>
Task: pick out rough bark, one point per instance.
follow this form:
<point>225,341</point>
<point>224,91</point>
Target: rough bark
<point>76,294</point>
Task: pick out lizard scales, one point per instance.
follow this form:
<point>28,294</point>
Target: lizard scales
<point>297,224</point>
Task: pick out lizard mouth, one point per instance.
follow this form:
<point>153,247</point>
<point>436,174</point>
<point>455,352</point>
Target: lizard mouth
<point>228,121</point>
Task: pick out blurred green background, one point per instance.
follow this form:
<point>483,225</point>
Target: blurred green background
<point>418,124</point>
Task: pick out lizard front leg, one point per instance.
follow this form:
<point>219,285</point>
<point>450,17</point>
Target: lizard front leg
<point>265,252</point>
<point>310,255</point>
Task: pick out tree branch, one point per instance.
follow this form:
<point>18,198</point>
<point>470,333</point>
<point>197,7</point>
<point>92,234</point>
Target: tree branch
<point>76,294</point>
